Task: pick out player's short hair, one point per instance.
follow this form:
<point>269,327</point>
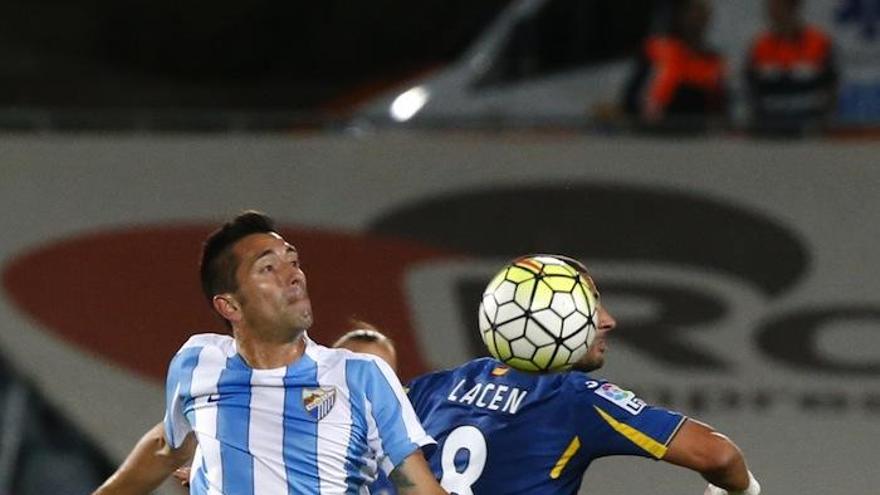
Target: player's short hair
<point>218,264</point>
<point>363,332</point>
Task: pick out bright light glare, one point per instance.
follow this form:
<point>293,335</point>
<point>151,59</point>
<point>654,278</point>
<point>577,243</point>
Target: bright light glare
<point>409,103</point>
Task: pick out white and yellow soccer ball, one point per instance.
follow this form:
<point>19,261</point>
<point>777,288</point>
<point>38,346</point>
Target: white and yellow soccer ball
<point>539,314</point>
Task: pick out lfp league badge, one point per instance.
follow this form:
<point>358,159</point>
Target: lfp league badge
<point>319,401</point>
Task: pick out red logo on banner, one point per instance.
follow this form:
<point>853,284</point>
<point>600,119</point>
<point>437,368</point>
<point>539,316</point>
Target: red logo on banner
<point>132,295</point>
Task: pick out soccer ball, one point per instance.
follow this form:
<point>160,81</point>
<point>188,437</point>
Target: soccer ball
<point>539,314</point>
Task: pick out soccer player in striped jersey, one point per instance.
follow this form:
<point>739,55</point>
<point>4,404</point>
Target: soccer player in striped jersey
<point>267,410</point>
<point>483,413</point>
<point>367,339</point>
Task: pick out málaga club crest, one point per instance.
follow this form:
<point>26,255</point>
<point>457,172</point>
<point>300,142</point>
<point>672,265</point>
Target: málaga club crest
<point>319,401</point>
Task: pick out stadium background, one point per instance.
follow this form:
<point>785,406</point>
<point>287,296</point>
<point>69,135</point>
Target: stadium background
<point>742,271</point>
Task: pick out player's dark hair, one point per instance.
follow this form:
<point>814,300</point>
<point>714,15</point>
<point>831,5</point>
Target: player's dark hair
<point>218,264</point>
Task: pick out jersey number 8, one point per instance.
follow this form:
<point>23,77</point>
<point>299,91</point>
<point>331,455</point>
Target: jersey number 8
<point>471,440</point>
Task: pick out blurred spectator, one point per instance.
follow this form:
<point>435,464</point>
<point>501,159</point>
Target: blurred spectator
<point>678,82</point>
<point>791,73</point>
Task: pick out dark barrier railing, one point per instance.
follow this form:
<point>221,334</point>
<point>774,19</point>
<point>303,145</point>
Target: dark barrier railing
<point>156,120</point>
<point>34,120</point>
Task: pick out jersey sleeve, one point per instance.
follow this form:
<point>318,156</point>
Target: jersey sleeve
<point>398,432</point>
<point>418,391</point>
<point>177,395</point>
<point>626,425</point>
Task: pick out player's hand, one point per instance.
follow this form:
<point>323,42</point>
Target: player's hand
<point>182,475</point>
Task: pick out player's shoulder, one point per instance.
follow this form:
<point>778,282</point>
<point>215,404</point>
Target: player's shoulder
<point>205,347</point>
<point>204,350</point>
<point>217,340</point>
<point>329,356</point>
<point>478,365</point>
<point>208,344</point>
<point>347,356</point>
<point>334,358</point>
<point>474,368</point>
<point>602,393</point>
<point>470,369</point>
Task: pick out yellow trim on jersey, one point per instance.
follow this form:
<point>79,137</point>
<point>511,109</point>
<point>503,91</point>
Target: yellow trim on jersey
<point>647,443</point>
<point>565,457</point>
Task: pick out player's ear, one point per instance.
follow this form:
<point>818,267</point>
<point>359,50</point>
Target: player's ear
<point>228,306</point>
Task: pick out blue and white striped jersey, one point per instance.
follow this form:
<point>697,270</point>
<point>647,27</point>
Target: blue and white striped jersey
<point>318,426</point>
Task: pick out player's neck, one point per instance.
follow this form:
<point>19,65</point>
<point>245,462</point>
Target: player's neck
<point>267,354</point>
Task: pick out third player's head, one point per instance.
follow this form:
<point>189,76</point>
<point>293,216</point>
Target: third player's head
<point>252,277</point>
<point>595,356</point>
<point>368,340</point>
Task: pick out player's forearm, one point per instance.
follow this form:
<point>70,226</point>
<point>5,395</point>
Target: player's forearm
<point>146,467</point>
<point>699,447</point>
<point>132,482</point>
<point>728,467</point>
<point>414,477</point>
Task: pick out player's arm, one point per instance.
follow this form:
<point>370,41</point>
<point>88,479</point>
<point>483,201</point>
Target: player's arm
<point>699,447</point>
<point>150,462</point>
<point>413,476</point>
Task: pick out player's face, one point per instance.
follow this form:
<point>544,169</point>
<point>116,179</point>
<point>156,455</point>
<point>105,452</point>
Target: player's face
<point>595,356</point>
<point>380,349</point>
<point>271,291</point>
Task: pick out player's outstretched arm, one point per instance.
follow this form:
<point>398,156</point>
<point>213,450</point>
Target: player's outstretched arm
<point>414,477</point>
<point>150,462</point>
<point>699,447</point>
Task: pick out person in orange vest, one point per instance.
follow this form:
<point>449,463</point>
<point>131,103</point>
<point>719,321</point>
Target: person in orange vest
<point>791,73</point>
<point>679,82</point>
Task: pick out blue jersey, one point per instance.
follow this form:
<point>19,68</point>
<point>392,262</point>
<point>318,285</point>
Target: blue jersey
<point>501,431</point>
<point>320,426</point>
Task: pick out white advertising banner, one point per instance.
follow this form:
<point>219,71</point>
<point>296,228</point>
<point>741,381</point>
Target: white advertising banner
<point>743,275</point>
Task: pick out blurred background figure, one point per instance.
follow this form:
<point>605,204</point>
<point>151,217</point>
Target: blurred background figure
<point>678,82</point>
<point>791,74</point>
<point>367,339</point>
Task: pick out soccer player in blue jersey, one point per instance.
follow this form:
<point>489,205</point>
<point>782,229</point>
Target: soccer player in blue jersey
<point>482,413</point>
<point>267,410</point>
